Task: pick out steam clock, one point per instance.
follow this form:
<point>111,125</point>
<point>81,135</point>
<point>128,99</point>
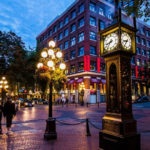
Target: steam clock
<point>119,129</point>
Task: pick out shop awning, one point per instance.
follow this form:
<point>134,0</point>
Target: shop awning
<point>95,80</point>
<point>103,81</point>
<point>79,80</point>
<point>71,81</point>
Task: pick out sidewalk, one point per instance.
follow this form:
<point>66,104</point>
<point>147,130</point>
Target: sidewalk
<point>28,135</point>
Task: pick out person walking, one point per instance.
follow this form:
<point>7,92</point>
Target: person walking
<point>1,110</point>
<point>9,112</point>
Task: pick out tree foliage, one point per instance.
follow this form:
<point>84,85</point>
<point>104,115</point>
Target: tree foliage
<point>139,8</point>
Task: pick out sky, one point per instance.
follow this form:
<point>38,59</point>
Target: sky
<point>28,18</point>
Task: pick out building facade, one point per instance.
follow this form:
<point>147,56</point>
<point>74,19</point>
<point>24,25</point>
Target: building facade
<point>76,34</point>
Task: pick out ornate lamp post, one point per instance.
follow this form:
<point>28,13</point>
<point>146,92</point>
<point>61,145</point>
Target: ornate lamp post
<point>3,87</point>
<point>82,88</point>
<point>52,60</point>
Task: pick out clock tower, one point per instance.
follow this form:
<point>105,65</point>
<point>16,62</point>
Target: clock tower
<point>119,129</point>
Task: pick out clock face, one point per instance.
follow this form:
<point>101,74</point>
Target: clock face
<point>126,40</point>
<point>111,41</point>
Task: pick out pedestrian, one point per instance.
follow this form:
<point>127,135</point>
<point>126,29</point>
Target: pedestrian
<point>9,113</point>
<point>1,110</point>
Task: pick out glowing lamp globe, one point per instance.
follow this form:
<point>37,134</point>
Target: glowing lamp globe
<point>1,82</point>
<point>6,86</point>
<point>59,54</point>
<point>51,44</point>
<point>5,82</point>
<point>39,65</point>
<point>3,78</point>
<point>50,52</point>
<point>62,66</point>
<point>50,63</point>
<point>1,86</point>
<point>44,54</point>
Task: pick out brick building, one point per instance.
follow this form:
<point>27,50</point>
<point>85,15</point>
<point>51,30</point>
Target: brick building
<point>75,33</point>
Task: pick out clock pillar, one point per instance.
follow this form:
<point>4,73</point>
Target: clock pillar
<point>119,130</point>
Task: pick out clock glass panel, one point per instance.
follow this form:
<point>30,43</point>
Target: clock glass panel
<point>111,41</point>
<point>126,40</point>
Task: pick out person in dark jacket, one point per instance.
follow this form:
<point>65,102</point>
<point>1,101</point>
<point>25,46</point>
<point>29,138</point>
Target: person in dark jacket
<point>9,112</point>
<point>1,108</point>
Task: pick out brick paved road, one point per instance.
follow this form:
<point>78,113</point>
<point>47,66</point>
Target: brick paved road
<point>29,126</point>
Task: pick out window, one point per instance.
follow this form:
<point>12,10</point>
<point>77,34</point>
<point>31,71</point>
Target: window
<point>101,25</point>
<point>60,46</point>
<point>109,16</point>
<point>66,71</point>
<point>73,27</point>
<point>81,36</point>
<point>133,60</point>
<point>148,43</point>
<point>144,62</point>
<point>73,41</point>
<point>60,36</point>
<point>143,52</point>
<point>138,62</point>
<point>72,54</point>
<point>60,24</point>
<point>148,33</point>
<point>72,69</point>
<point>137,39</point>
<point>66,57</point>
<point>143,41</point>
<point>138,50</point>
<point>142,30</point>
<point>81,8</point>
<point>54,29</point>
<point>148,54</point>
<point>81,22</point>
<point>93,21</point>
<point>50,32</point>
<point>81,51</point>
<point>66,32</point>
<point>92,6</point>
<point>73,14</point>
<point>93,50</point>
<point>133,72</point>
<point>92,35</point>
<point>101,11</point>
<point>55,39</point>
<point>80,66</point>
<point>66,20</point>
<point>102,67</point>
<point>66,45</point>
<point>93,66</point>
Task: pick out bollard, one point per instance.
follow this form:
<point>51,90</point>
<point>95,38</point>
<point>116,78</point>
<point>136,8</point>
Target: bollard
<point>87,128</point>
<point>87,104</point>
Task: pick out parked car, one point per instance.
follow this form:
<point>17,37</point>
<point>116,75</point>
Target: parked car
<point>28,103</point>
<point>142,99</point>
<point>42,101</point>
<point>20,102</point>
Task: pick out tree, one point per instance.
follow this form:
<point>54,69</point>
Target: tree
<point>139,8</point>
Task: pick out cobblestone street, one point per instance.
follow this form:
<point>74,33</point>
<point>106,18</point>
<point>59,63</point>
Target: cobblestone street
<point>29,126</point>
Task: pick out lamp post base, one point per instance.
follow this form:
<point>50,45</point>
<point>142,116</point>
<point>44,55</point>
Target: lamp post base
<point>50,132</point>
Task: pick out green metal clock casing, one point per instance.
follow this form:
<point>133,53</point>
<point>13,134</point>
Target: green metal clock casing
<point>117,38</point>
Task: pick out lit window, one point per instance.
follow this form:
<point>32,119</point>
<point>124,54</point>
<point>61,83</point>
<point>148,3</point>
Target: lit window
<point>81,8</point>
<point>60,24</point>
<point>148,33</point>
<point>137,39</point>
<point>81,51</point>
<point>143,41</point>
<point>92,21</point>
<point>109,16</point>
<point>143,52</point>
<point>81,22</point>
<point>148,54</point>
<point>148,43</point>
<point>72,69</point>
<point>55,39</point>
<point>93,66</point>
<point>92,35</point>
<point>54,29</point>
<point>101,25</point>
<point>81,36</point>
<point>92,7</point>
<point>61,46</point>
<point>93,50</point>
<point>80,66</point>
<point>138,62</point>
<point>138,50</point>
<point>73,41</point>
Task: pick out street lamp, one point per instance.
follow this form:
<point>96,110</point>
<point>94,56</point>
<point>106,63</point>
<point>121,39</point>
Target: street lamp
<point>82,88</point>
<point>3,87</point>
<point>52,59</point>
